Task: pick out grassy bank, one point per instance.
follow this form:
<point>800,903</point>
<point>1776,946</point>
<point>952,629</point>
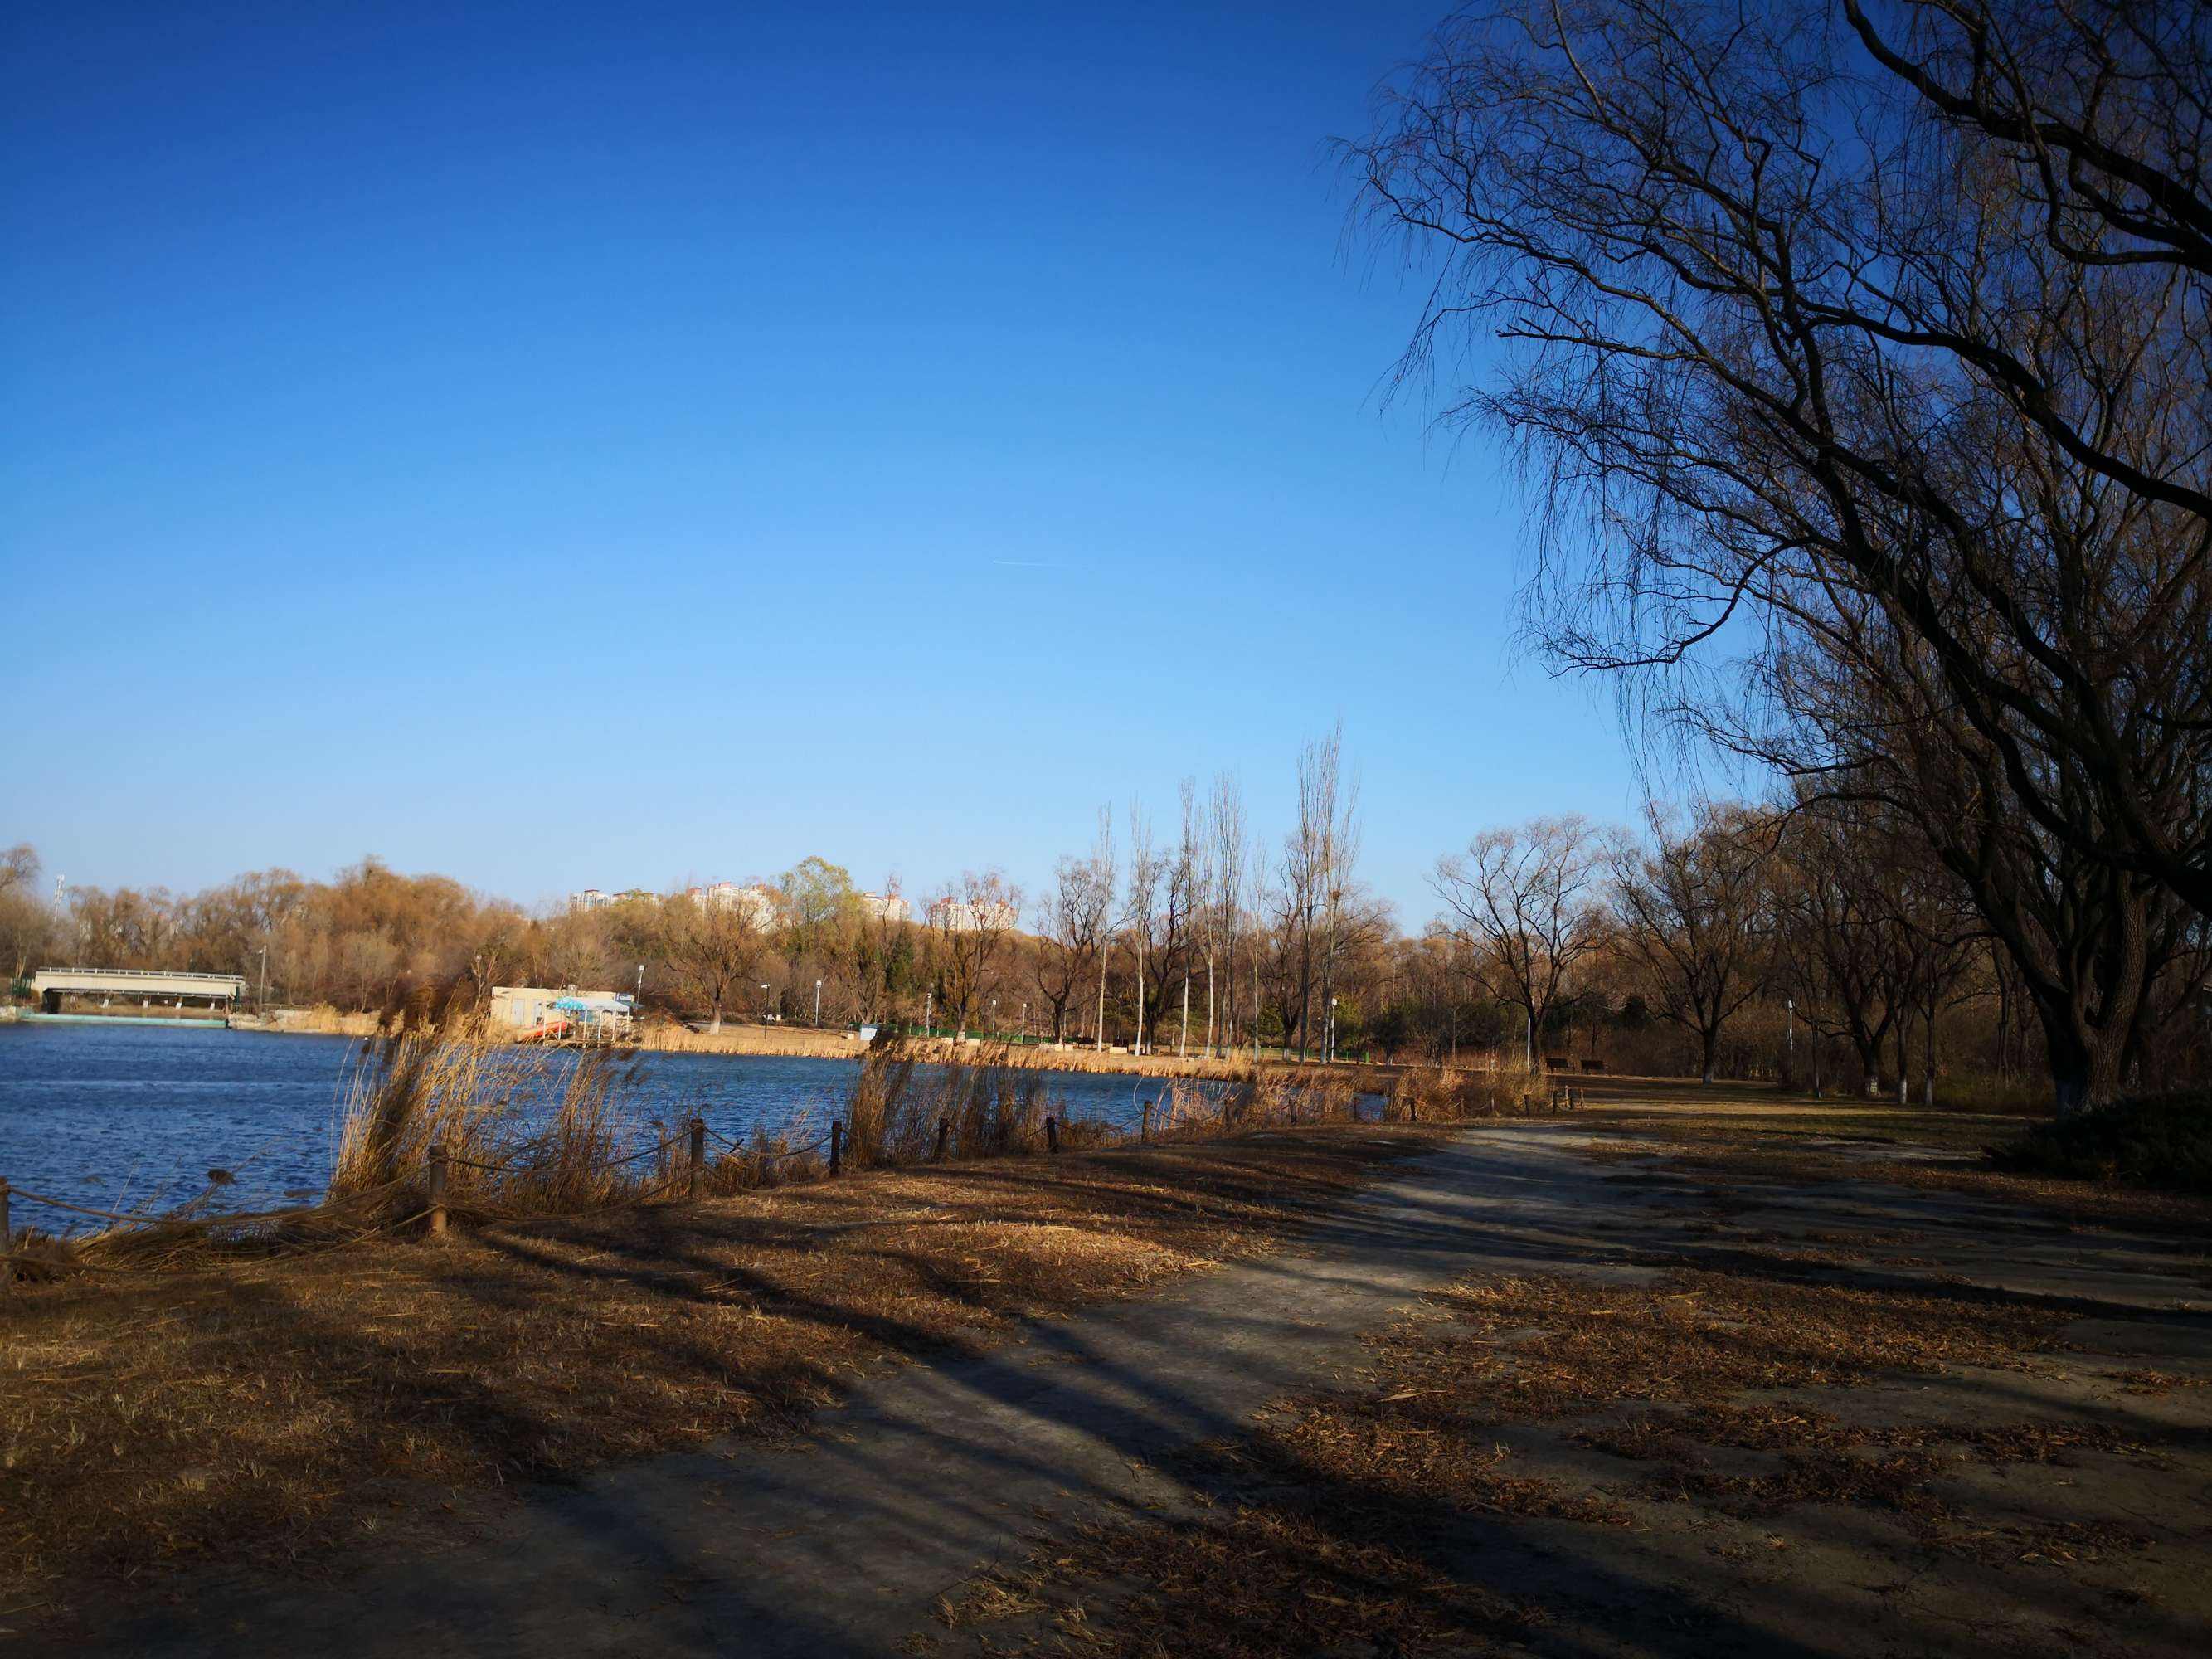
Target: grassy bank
<point>284,1406</point>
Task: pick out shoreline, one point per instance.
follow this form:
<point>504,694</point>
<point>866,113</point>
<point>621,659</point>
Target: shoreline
<point>742,1042</point>
<point>806,1043</point>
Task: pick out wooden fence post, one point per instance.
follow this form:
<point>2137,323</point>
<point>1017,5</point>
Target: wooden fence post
<point>698,1156</point>
<point>438,1189</point>
<point>1144,1123</point>
<point>1052,1134</point>
<point>944,1136</point>
<point>836,1146</point>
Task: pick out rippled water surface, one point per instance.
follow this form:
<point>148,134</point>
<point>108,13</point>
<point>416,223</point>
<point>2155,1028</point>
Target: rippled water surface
<point>127,1116</point>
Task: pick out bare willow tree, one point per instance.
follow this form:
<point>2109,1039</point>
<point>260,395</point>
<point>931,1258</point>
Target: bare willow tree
<point>1858,361</point>
<point>1525,912</point>
<point>1694,918</point>
<point>27,926</point>
<point>711,950</point>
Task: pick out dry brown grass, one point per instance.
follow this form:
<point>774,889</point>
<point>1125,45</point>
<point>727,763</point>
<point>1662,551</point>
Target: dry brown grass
<point>1427,1094</point>
<point>1345,1515</point>
<point>279,1408</point>
<point>1263,1578</point>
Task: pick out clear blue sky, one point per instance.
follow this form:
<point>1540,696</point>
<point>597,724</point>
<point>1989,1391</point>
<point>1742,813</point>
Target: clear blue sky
<point>600,445</point>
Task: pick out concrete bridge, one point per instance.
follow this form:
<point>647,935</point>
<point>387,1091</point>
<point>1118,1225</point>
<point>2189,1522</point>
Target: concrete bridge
<point>219,993</point>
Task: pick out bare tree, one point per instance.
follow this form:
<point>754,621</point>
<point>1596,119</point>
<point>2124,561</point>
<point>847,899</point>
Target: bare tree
<point>1102,877</point>
<point>710,951</point>
<point>1693,914</point>
<point>27,926</point>
<point>1141,905</point>
<point>1874,358</point>
<point>1072,933</point>
<point>1225,865</point>
<point>1318,854</point>
<point>972,920</point>
<point>1524,909</point>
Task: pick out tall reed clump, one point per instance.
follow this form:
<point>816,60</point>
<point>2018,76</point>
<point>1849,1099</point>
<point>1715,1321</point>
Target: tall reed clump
<point>1193,1107</point>
<point>986,1107</point>
<point>1423,1094</point>
<point>1439,1094</point>
<point>524,1129</point>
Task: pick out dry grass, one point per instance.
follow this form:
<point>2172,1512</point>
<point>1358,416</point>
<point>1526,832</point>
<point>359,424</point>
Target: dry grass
<point>277,1408</point>
<point>665,1036</point>
<point>1423,1094</point>
<point>1351,1515</point>
<point>1263,1578</point>
<point>1695,1148</point>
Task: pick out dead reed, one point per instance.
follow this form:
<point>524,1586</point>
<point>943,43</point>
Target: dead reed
<point>1431,1094</point>
<point>524,1129</point>
<point>908,1108</point>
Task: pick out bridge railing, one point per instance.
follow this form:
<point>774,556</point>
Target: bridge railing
<point>135,973</point>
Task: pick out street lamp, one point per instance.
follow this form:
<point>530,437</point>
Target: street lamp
<point>640,983</point>
<point>765,986</point>
<point>1328,1049</point>
<point>995,1017</point>
<point>261,1006</point>
<point>817,1005</point>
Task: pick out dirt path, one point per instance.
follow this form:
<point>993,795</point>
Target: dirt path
<point>934,1475</point>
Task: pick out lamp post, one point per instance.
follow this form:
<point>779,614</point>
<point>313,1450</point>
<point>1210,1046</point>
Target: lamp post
<point>817,1005</point>
<point>928,1010</point>
<point>261,1006</point>
<point>1790,1038</point>
<point>640,983</point>
<point>765,986</point>
<point>1328,1049</point>
<point>995,1017</point>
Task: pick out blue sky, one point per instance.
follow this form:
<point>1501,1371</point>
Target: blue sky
<point>607,444</point>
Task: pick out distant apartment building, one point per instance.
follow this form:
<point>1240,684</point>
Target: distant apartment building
<point>884,907</point>
<point>592,899</point>
<point>758,904</point>
<point>958,917</point>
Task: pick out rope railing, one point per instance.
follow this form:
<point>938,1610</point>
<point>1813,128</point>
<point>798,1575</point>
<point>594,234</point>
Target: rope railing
<point>745,1150</point>
<point>216,1219</point>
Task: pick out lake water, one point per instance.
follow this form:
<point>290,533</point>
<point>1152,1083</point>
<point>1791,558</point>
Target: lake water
<point>132,1117</point>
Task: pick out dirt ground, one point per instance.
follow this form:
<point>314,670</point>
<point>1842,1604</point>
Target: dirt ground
<point>1765,1397</point>
<point>1687,1372</point>
<point>278,1410</point>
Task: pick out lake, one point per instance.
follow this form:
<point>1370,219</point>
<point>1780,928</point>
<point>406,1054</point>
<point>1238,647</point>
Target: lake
<point>132,1117</point>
